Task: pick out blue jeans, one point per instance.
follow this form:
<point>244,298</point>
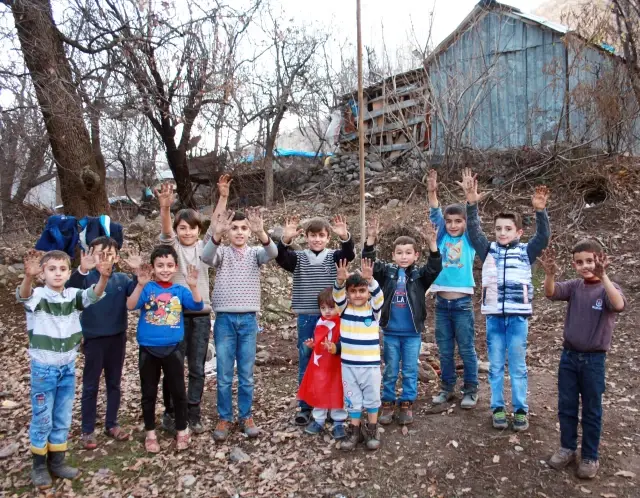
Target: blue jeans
<point>507,338</point>
<point>52,392</point>
<point>581,375</point>
<point>405,349</point>
<point>235,338</point>
<point>455,324</point>
<point>306,327</point>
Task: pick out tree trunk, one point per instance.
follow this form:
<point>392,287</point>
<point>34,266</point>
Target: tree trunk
<point>177,159</point>
<point>81,176</point>
<point>268,167</point>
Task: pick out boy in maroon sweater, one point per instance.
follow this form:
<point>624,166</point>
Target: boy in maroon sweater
<point>593,302</point>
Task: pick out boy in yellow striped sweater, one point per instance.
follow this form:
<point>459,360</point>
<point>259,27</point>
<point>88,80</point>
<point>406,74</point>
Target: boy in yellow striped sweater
<point>359,300</point>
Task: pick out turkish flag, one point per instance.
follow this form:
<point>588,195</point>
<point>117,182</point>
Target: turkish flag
<point>321,385</point>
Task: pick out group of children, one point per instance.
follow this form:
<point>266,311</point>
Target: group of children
<point>341,318</point>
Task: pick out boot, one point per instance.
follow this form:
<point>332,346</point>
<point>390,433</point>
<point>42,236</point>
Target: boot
<point>39,473</point>
<point>371,436</point>
<point>60,469</point>
<point>352,440</point>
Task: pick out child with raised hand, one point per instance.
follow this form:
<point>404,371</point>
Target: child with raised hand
<point>321,386</point>
<point>404,285</point>
<point>53,322</point>
<point>236,302</point>
<point>104,333</point>
<point>184,236</point>
<point>594,301</point>
<point>313,269</point>
<point>454,305</point>
<point>359,300</point>
<point>160,332</point>
<point>507,293</point>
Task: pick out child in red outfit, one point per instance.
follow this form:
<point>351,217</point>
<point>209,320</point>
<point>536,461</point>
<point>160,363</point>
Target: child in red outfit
<point>321,386</point>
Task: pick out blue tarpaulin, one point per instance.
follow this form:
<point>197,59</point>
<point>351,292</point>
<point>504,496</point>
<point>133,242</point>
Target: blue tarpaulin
<point>288,153</point>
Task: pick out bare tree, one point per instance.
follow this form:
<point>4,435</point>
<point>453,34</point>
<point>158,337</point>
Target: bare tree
<point>627,13</point>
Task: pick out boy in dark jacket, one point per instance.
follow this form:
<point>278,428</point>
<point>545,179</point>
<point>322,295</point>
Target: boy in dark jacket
<point>404,285</point>
<point>104,332</point>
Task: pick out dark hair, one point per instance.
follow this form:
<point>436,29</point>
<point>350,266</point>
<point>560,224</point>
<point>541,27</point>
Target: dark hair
<point>588,245</point>
<point>57,255</point>
<point>105,242</point>
<point>162,251</point>
<point>190,216</point>
<point>326,297</point>
<point>317,225</point>
<point>456,209</point>
<point>406,241</point>
<point>239,216</point>
<point>356,280</point>
<point>515,217</point>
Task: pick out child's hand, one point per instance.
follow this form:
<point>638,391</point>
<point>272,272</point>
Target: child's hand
<point>255,220</point>
<point>32,266</point>
<point>88,261</point>
<point>223,224</point>
<point>540,197</point>
<point>224,182</point>
<point>367,269</point>
<point>308,343</point>
<point>469,184</point>
<point>291,230</point>
<point>343,273</point>
<point>601,264</point>
<point>329,346</point>
<point>166,197</point>
<point>105,265</point>
<point>548,262</point>
<point>192,276</point>
<point>430,234</point>
<point>144,273</point>
<point>432,181</point>
<point>339,227</point>
<point>373,229</point>
<point>133,259</point>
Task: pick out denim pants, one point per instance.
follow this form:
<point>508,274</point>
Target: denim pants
<point>507,338</point>
<point>581,375</point>
<point>306,327</point>
<point>406,350</point>
<point>455,324</point>
<point>197,329</point>
<point>52,392</point>
<point>235,335</point>
<point>102,354</point>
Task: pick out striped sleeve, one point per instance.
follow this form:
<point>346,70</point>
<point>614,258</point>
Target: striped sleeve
<point>377,298</point>
<point>340,296</point>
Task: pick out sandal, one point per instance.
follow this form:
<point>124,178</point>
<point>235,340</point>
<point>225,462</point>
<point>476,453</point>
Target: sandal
<point>151,445</point>
<point>89,441</point>
<point>303,417</point>
<point>182,441</point>
<point>117,433</point>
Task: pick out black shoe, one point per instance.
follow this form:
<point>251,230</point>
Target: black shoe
<point>60,469</point>
<point>303,417</point>
<point>352,440</point>
<point>39,473</point>
<point>371,436</point>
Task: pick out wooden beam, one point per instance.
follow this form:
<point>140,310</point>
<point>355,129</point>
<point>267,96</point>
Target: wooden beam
<point>391,108</point>
<point>391,127</point>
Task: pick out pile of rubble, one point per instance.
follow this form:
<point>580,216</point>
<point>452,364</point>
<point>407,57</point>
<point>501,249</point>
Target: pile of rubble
<point>345,167</point>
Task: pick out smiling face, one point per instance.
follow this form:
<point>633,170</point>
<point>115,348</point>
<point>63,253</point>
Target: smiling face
<point>455,224</point>
<point>56,273</point>
<point>164,267</point>
<point>358,294</point>
<point>506,231</point>
<point>584,263</point>
<point>404,255</point>
<point>318,240</point>
<point>187,235</point>
<point>239,233</point>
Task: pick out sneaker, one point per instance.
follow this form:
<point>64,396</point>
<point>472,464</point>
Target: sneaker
<point>588,468</point>
<point>221,432</point>
<point>338,432</point>
<point>169,423</point>
<point>562,458</point>
<point>499,419</point>
<point>469,397</point>
<point>405,415</point>
<point>520,421</point>
<point>313,428</point>
<point>387,413</point>
<point>443,397</point>
<point>249,427</point>
<point>352,440</point>
<point>196,427</point>
<point>371,436</point>
<point>89,441</point>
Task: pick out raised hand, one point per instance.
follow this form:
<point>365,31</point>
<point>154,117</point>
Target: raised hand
<point>166,197</point>
<point>308,343</point>
<point>223,223</point>
<point>548,261</point>
<point>469,184</point>
<point>105,265</point>
<point>32,266</point>
<point>601,264</point>
<point>255,220</point>
<point>339,227</point>
<point>367,269</point>
<point>224,182</point>
<point>432,181</point>
<point>133,259</point>
<point>192,276</point>
<point>430,234</point>
<point>144,273</point>
<point>540,197</point>
<point>329,346</point>
<point>291,230</point>
<point>373,229</point>
<point>88,261</point>
<point>343,272</point>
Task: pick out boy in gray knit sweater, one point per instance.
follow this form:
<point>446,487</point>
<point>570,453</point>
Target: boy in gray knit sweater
<point>236,302</point>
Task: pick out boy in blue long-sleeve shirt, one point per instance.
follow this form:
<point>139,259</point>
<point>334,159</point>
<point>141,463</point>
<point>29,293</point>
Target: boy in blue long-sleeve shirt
<point>104,333</point>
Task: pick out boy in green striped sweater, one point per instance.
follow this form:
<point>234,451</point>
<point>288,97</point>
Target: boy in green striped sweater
<point>53,324</point>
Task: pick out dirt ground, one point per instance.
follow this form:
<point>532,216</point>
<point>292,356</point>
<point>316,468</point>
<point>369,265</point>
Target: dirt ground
<point>448,454</point>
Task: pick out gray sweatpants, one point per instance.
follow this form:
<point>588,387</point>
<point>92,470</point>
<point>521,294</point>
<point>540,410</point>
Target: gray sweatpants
<point>320,415</point>
<point>361,386</point>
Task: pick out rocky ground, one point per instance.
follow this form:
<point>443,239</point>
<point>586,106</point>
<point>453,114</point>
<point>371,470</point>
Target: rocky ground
<point>448,453</point>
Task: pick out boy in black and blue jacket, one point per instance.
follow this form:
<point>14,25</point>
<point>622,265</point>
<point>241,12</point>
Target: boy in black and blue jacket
<point>104,332</point>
